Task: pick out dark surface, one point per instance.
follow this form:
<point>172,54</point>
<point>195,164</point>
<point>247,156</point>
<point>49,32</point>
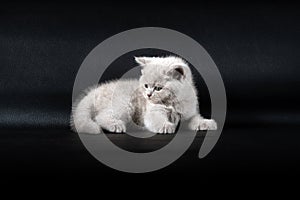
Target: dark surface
<point>59,154</point>
<point>255,46</point>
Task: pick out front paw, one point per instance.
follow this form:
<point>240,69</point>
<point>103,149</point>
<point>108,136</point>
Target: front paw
<point>204,124</point>
<point>117,127</point>
<point>168,128</point>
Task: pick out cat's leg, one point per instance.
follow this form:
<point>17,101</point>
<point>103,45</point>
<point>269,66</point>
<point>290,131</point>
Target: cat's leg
<point>174,117</point>
<point>157,121</point>
<point>81,119</point>
<point>197,123</point>
<point>110,122</point>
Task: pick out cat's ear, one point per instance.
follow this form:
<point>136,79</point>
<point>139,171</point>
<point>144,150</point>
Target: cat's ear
<point>143,60</point>
<point>177,71</point>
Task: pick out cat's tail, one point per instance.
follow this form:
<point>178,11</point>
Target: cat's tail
<point>82,115</point>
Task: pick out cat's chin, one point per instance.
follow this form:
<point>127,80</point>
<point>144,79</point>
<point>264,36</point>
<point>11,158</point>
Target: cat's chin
<point>151,100</point>
<point>154,101</point>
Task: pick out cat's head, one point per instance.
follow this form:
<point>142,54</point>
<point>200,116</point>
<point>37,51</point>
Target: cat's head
<point>162,77</point>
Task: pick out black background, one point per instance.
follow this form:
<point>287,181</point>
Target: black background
<point>255,46</point>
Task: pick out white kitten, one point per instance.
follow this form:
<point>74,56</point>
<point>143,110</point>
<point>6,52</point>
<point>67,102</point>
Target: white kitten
<point>164,95</point>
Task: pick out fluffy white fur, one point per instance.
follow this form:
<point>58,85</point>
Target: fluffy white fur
<point>163,95</point>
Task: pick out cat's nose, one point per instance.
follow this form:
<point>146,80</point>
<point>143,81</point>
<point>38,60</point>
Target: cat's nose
<point>149,95</point>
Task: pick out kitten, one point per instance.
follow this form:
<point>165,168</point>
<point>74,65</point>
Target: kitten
<point>163,95</point>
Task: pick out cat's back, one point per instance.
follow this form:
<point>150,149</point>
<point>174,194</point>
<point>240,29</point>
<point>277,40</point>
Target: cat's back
<point>122,86</point>
<point>117,92</point>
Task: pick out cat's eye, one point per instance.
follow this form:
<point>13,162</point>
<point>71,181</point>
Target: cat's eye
<point>146,85</point>
<point>157,88</point>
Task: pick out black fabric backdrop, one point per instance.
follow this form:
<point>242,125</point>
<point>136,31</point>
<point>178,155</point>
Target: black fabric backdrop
<point>255,46</point>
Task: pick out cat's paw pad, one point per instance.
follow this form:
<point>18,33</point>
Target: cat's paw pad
<point>117,127</point>
<point>205,124</point>
<point>168,128</point>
